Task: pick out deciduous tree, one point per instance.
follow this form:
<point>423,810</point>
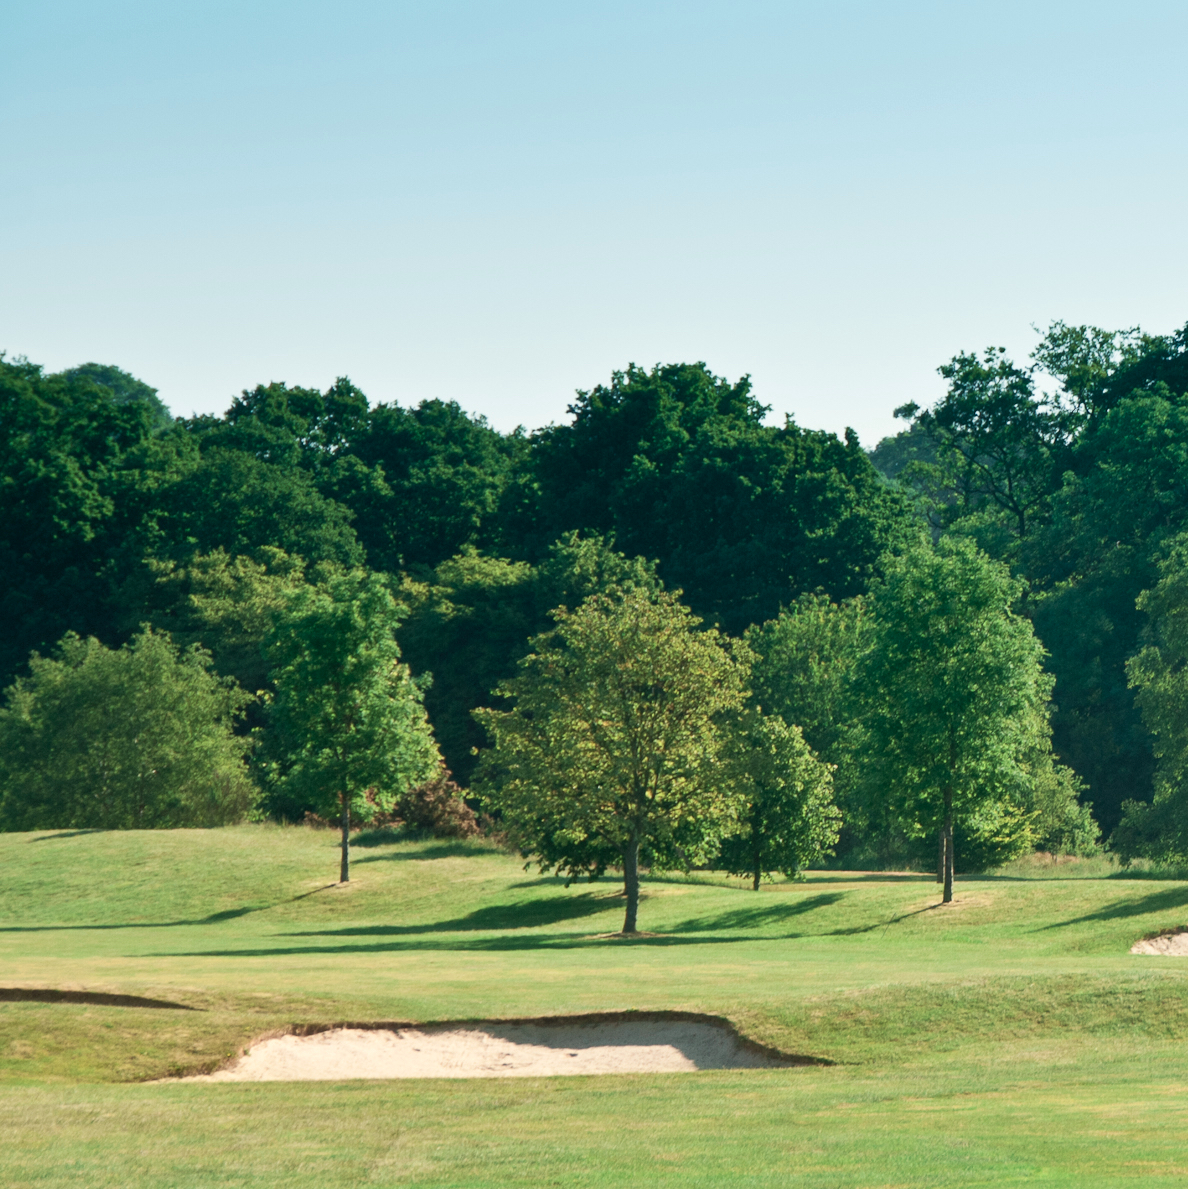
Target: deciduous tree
<point>788,817</point>
<point>349,732</point>
<point>616,745</point>
<point>953,690</point>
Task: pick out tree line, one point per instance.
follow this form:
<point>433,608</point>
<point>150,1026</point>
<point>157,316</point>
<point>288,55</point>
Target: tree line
<point>459,556</point>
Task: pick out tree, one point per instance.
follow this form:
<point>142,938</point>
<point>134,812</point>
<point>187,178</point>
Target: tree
<point>1110,522</point>
<point>788,814</point>
<point>123,387</point>
<point>615,747</point>
<point>678,464</point>
<point>228,605</point>
<point>133,738</point>
<point>77,472</point>
<point>469,625</point>
<point>805,659</point>
<point>952,687</point>
<point>1159,673</point>
<point>348,726</point>
<point>234,502</point>
<point>994,440</point>
<point>447,478</point>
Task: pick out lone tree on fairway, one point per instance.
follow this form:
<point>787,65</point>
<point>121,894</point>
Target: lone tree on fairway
<point>789,819</point>
<point>348,723</point>
<point>131,738</point>
<point>617,744</point>
<point>953,689</point>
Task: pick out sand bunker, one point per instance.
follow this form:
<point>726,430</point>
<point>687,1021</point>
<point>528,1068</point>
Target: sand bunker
<point>1174,944</point>
<point>500,1050</point>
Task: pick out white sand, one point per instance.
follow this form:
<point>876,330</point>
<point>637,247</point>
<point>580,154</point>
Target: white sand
<point>1173,944</point>
<point>495,1050</point>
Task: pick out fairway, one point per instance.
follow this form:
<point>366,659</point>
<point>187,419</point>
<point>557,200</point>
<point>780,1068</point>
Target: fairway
<point>1009,1038</point>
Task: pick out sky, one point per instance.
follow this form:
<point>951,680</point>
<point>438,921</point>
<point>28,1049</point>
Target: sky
<point>501,202</point>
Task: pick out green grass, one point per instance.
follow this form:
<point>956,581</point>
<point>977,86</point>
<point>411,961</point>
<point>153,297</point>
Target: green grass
<point>1007,1039</point>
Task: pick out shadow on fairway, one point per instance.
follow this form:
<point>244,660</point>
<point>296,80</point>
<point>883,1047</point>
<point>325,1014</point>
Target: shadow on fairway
<point>530,914</point>
<point>521,940</point>
<point>439,850</point>
<point>95,998</point>
<point>760,916</point>
<point>64,834</point>
<point>1135,907</point>
<point>519,918</point>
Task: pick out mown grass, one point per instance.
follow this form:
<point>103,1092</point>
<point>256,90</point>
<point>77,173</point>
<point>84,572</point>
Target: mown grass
<point>1008,1038</point>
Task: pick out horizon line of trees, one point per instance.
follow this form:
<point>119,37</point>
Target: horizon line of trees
<point>211,531</point>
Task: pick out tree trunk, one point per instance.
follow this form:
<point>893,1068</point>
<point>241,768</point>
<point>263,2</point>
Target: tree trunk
<point>631,883</point>
<point>940,855</point>
<point>344,872</point>
<point>755,883</point>
<point>947,897</point>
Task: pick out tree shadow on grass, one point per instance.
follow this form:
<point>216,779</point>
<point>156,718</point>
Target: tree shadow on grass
<point>439,850</point>
<point>518,918</point>
<point>520,940</point>
<point>760,916</point>
<point>66,834</point>
<point>1134,907</point>
<point>530,914</point>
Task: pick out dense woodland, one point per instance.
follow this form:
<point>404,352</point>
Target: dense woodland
<point>1056,488</point>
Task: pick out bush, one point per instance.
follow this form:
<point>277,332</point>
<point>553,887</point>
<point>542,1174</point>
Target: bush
<point>132,738</point>
<point>435,807</point>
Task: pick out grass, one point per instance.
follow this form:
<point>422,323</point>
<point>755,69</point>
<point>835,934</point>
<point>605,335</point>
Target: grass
<point>1009,1038</point>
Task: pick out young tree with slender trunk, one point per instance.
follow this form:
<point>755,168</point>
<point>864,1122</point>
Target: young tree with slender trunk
<point>953,691</point>
<point>348,730</point>
<point>789,819</point>
<point>616,750</point>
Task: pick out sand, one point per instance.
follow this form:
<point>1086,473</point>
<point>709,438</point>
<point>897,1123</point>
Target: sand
<point>497,1050</point>
<point>1173,944</point>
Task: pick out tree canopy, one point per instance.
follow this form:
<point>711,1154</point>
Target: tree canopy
<point>1069,467</point>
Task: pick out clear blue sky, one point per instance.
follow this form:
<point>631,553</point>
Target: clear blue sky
<point>501,202</point>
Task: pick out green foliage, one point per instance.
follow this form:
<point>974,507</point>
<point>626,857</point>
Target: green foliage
<point>228,605</point>
<point>788,817</point>
<point>805,661</point>
<point>123,388</point>
<point>1110,522</point>
<point>470,624</point>
<point>615,743</point>
<point>237,503</point>
<point>952,688</point>
<point>1077,488</point>
<point>1061,823</point>
<point>135,738</point>
<point>1159,672</point>
<point>678,464</point>
<point>77,468</point>
<point>450,482</point>
<point>348,732</point>
<point>994,442</point>
<point>466,628</point>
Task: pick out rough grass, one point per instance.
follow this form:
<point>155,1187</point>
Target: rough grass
<point>1008,1038</point>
